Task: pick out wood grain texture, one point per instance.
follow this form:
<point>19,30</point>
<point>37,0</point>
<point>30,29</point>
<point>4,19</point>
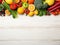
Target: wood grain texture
<point>30,30</point>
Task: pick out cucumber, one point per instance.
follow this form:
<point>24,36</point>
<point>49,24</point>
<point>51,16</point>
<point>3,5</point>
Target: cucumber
<point>1,7</point>
<point>13,12</point>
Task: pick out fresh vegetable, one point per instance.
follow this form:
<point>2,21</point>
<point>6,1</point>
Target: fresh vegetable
<point>1,7</point>
<point>38,4</point>
<point>58,0</point>
<point>41,6</point>
<point>45,6</point>
<point>54,6</point>
<point>13,6</point>
<point>55,9</point>
<point>44,12</point>
<point>53,13</point>
<point>14,13</point>
<point>40,13</point>
<point>1,1</point>
<point>56,12</point>
<point>29,7</point>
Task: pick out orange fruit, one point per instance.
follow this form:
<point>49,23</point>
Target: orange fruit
<point>16,1</point>
<point>20,10</point>
<point>9,1</point>
<point>31,1</point>
<point>23,0</point>
<point>31,7</point>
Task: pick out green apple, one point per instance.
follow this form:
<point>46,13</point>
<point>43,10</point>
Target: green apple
<point>25,5</point>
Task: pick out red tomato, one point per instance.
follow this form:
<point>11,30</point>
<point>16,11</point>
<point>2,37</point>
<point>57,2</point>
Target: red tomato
<point>13,6</point>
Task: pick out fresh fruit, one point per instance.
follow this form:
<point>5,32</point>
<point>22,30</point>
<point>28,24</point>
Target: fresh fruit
<point>13,6</point>
<point>7,12</point>
<point>19,4</point>
<point>50,2</point>
<point>26,11</point>
<point>31,14</point>
<point>31,1</point>
<point>1,1</point>
<point>31,7</point>
<point>54,6</point>
<point>25,5</point>
<point>13,12</point>
<point>23,0</point>
<point>20,10</point>
<point>16,1</point>
<point>9,1</point>
<point>36,12</point>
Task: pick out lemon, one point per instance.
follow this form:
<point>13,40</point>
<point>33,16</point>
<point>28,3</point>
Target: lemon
<point>36,12</point>
<point>50,2</point>
<point>31,14</point>
<point>9,1</point>
<point>20,10</point>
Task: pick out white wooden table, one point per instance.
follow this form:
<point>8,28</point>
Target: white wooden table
<point>30,30</point>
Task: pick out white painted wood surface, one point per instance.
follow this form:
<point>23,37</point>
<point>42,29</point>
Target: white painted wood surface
<point>30,30</point>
